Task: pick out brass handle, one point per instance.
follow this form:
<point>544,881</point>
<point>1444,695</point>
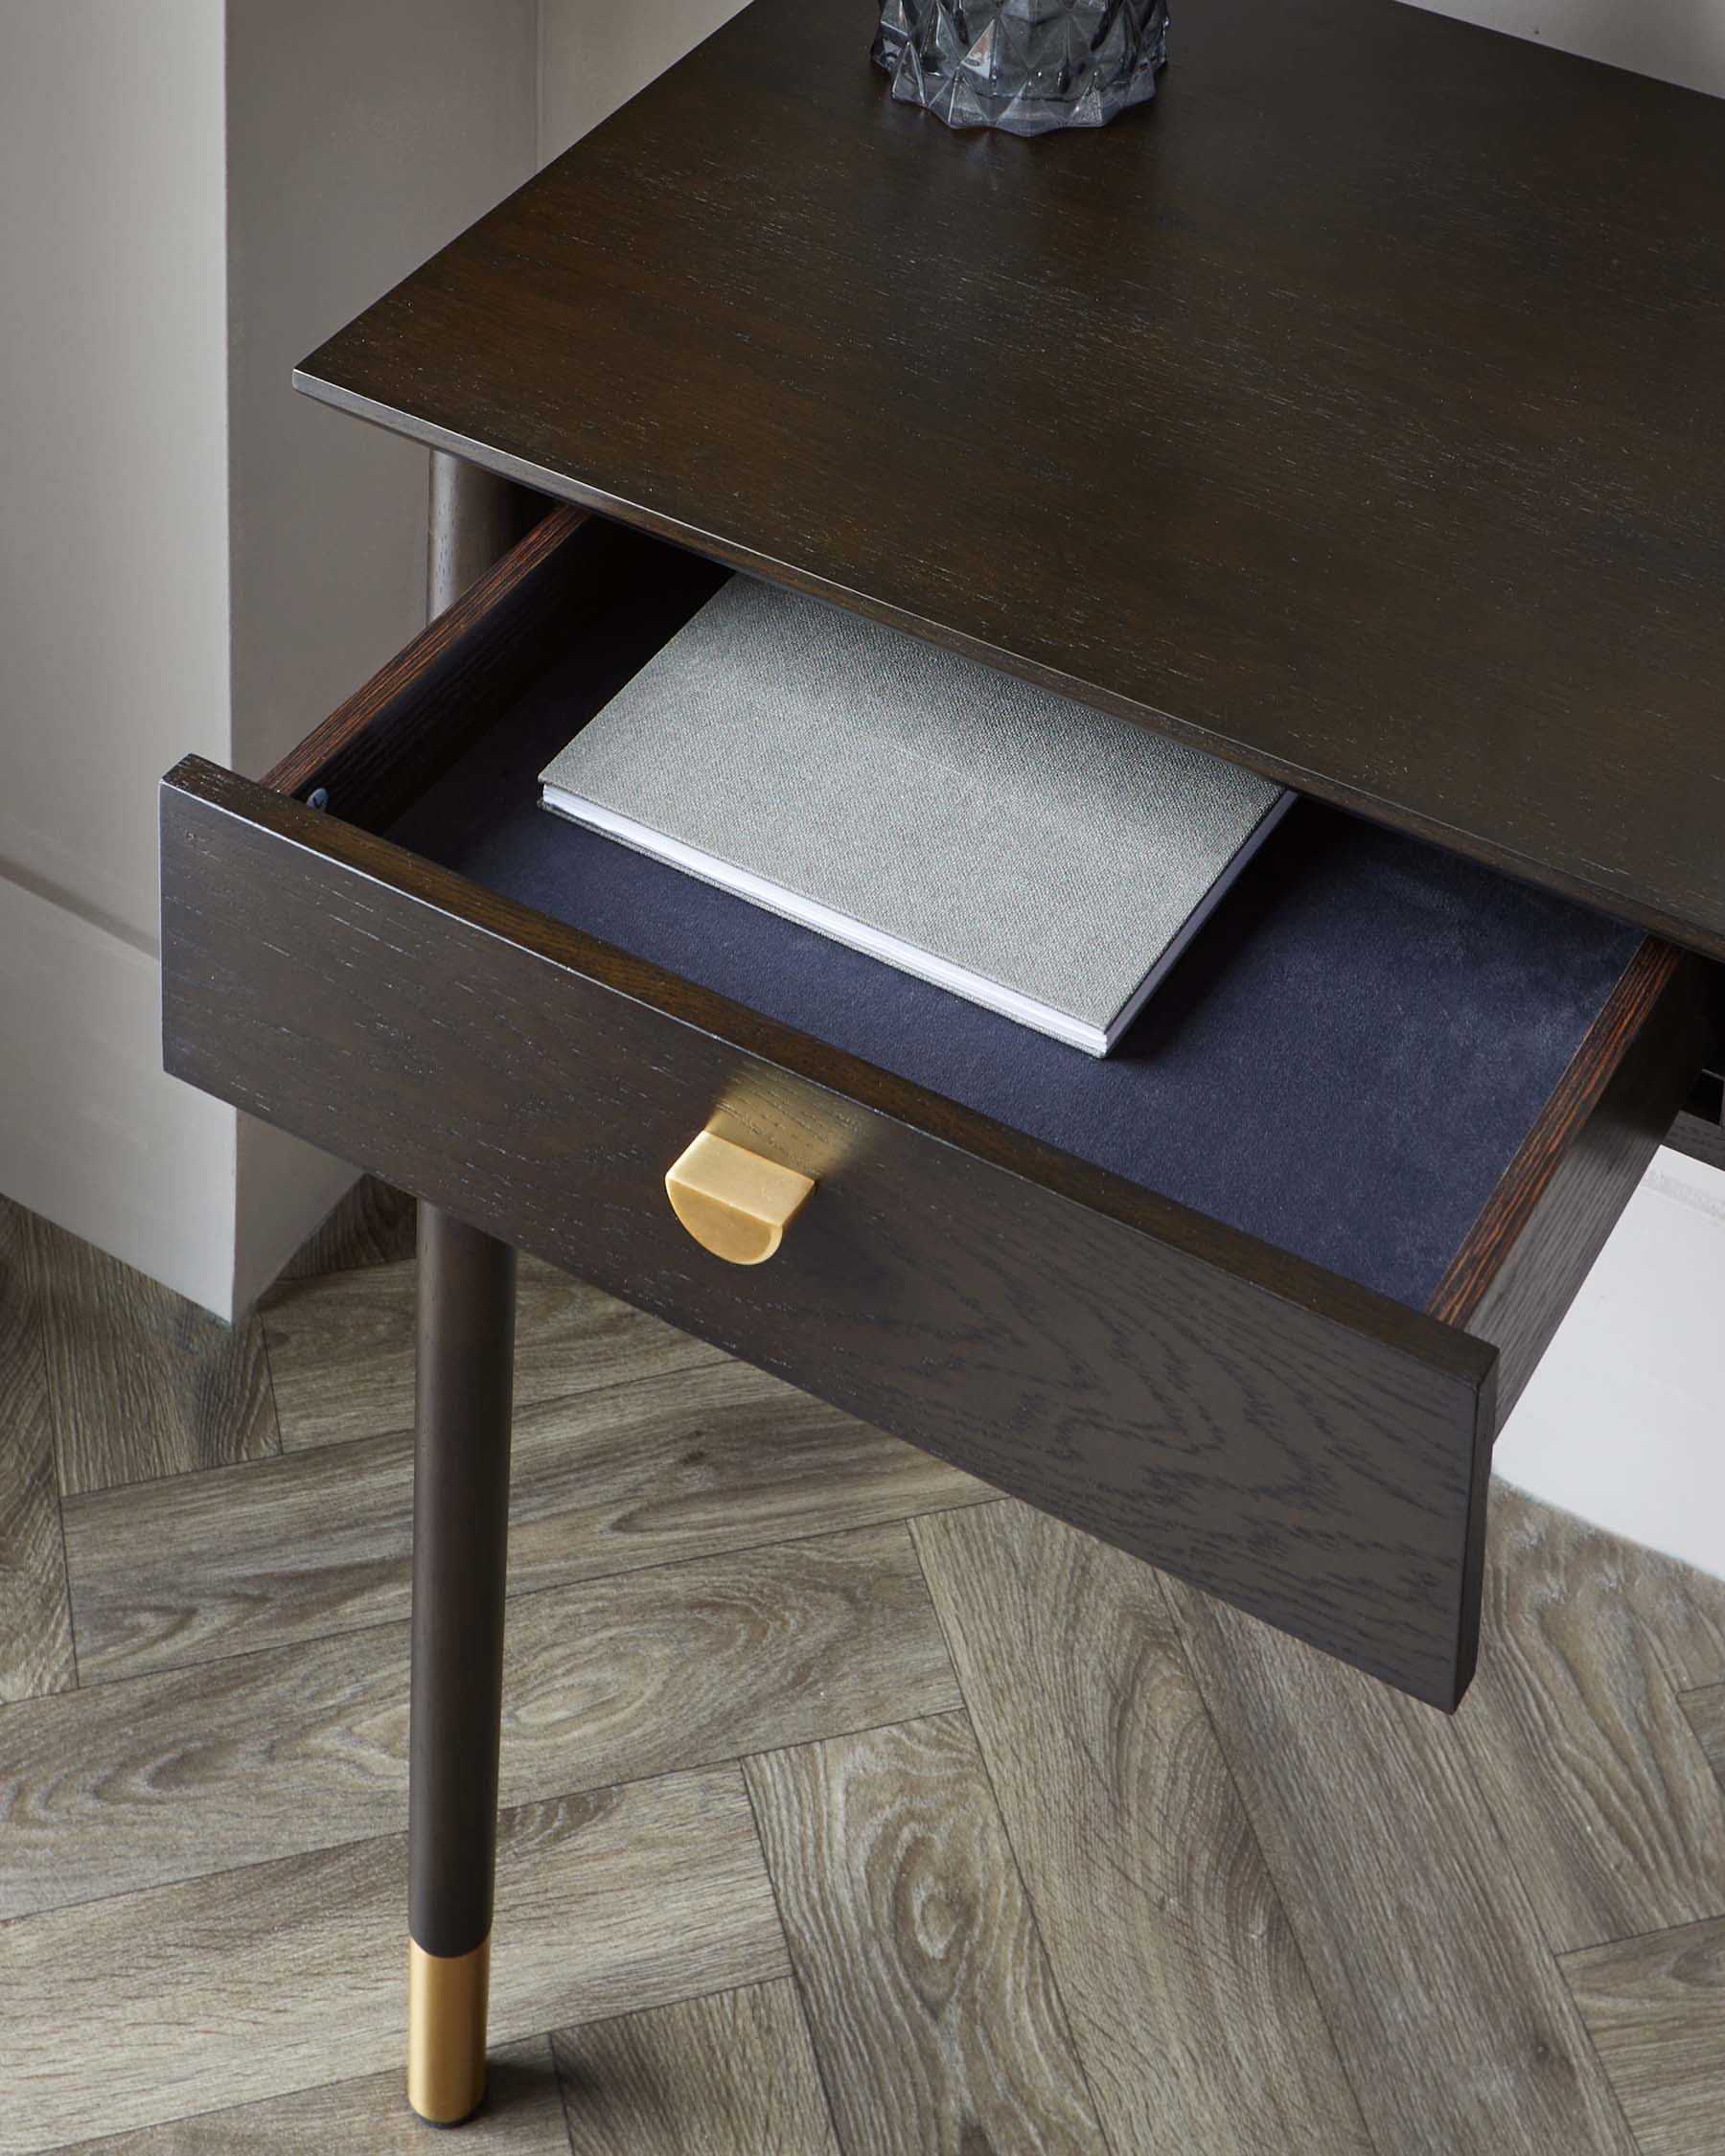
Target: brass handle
<point>732,1202</point>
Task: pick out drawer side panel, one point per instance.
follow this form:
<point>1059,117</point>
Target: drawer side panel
<point>1529,1255</point>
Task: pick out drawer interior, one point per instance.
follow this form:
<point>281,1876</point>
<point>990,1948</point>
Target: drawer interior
<point>1344,1064</point>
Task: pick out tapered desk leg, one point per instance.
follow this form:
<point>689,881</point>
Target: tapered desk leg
<point>460,1535</point>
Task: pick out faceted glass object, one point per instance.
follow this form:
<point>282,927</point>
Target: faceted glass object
<point>1025,65</point>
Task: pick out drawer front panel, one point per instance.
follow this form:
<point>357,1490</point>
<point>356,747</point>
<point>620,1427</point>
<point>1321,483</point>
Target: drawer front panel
<point>1307,1449</point>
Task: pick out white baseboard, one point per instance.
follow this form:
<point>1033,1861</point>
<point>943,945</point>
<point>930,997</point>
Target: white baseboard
<point>96,1137</point>
<point>1621,1422</point>
<point>287,1188</point>
<point>93,1134</point>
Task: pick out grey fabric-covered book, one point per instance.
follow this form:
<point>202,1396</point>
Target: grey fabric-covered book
<point>1018,848</point>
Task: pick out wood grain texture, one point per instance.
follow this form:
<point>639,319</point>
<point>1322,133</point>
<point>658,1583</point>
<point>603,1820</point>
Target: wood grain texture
<point>1524,1259</point>
<point>465,1389</point>
<point>1645,979</point>
<point>913,1942</point>
<point>728,2076</point>
<point>1407,1913</point>
<point>1574,1730</point>
<point>1397,1851</point>
<point>290,1975</point>
<point>1364,382</point>
<point>373,753</point>
<point>1655,2009</point>
<point>143,1384</point>
<point>156,1778</point>
<point>372,1224</point>
<point>1704,1708</point>
<point>1161,1922</point>
<point>1168,1384</point>
<point>341,1350</point>
<point>523,2116</point>
<point>686,1464</point>
<point>36,1616</point>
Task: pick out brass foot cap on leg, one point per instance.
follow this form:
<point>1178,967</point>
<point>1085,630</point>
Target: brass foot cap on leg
<point>447,2000</point>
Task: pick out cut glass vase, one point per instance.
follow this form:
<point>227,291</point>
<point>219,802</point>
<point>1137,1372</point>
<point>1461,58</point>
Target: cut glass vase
<point>1028,66</point>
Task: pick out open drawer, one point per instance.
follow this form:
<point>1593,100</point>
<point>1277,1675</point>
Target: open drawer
<point>1249,1299</point>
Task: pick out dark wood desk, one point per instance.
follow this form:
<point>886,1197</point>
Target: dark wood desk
<point>1355,412</point>
<point>1352,411</point>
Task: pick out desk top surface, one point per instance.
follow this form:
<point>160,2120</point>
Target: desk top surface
<point>1355,409</point>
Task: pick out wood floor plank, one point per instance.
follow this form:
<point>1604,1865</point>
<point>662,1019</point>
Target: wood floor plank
<point>290,1975</point>
<point>700,1461</point>
<point>1655,2009</point>
<point>1458,2032</point>
<point>155,1779</point>
<point>342,1348</point>
<point>374,1223</point>
<point>1147,1882</point>
<point>1574,1730</point>
<point>523,2116</point>
<point>36,1619</point>
<point>934,2016</point>
<point>728,2076</point>
<point>1704,1710</point>
<point>142,1383</point>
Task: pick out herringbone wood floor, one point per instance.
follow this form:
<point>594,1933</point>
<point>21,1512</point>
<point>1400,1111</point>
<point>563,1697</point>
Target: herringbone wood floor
<point>848,1809</point>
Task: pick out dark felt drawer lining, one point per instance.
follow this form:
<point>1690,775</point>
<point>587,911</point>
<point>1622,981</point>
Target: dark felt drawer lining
<point>1343,1064</point>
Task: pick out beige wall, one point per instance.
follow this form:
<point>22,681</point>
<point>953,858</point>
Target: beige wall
<point>594,55</point>
<point>113,604</point>
<point>359,139</point>
<point>190,556</point>
<point>113,455</point>
<point>1677,40</point>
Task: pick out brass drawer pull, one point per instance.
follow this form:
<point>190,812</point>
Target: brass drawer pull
<point>732,1202</point>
